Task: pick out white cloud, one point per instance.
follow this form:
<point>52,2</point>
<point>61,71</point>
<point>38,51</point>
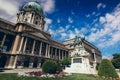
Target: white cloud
<point>52,32</point>
<point>72,13</point>
<point>61,29</point>
<point>93,13</point>
<point>67,27</point>
<point>70,20</point>
<point>95,20</point>
<point>58,20</point>
<point>109,34</point>
<point>66,33</point>
<point>8,9</point>
<point>71,34</point>
<point>106,56</point>
<point>102,20</point>
<point>48,22</point>
<point>63,35</point>
<point>97,14</point>
<point>101,5</point>
<point>48,5</point>
<point>88,15</point>
<point>93,29</point>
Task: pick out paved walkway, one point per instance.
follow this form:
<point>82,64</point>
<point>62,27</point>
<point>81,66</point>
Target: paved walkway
<point>20,70</point>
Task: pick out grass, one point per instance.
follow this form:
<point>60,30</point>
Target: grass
<point>11,76</point>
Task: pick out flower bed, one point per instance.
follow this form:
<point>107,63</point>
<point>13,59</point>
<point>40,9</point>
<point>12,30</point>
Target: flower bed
<point>41,74</point>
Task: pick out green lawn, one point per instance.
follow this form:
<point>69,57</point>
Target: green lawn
<point>72,77</point>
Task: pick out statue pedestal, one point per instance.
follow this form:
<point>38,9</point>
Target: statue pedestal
<point>80,63</point>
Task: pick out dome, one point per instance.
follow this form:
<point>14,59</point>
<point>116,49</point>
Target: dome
<point>33,6</point>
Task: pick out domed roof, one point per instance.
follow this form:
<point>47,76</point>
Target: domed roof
<point>33,6</point>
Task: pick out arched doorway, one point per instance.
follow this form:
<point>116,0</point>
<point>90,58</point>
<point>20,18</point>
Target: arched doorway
<point>3,60</point>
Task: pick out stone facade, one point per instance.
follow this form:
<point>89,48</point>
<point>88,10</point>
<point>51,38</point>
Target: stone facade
<point>25,44</point>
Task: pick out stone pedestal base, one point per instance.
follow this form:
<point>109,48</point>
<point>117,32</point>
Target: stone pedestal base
<point>83,67</point>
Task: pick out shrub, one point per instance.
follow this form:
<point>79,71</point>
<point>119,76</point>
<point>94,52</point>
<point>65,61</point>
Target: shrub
<point>50,67</point>
<point>59,68</point>
<point>107,69</point>
<point>66,61</point>
<point>116,60</point>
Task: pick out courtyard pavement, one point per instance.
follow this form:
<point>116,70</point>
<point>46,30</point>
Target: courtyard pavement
<point>20,70</point>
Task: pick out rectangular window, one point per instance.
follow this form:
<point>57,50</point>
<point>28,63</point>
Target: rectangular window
<point>77,60</point>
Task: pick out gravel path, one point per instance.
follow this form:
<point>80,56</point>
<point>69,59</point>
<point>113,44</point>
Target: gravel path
<point>20,70</point>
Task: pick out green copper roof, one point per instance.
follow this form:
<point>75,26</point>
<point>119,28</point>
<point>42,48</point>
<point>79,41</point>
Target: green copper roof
<point>33,6</point>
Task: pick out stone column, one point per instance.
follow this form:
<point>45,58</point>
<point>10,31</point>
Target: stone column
<point>21,44</point>
<point>51,55</point>
<point>24,48</point>
<point>3,40</point>
<point>55,53</point>
<point>11,62</point>
<point>46,50</point>
<point>15,61</point>
<point>40,49</point>
<point>17,39</point>
<point>33,47</point>
<point>32,18</point>
<point>62,54</point>
<point>16,43</point>
<point>59,54</point>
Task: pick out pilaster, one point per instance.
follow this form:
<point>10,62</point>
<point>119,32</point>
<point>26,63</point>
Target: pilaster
<point>46,51</point>
<point>21,44</point>
<point>24,48</point>
<point>40,49</point>
<point>33,47</point>
<point>3,41</point>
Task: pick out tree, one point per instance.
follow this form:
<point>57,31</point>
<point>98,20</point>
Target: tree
<point>66,61</point>
<point>116,60</point>
<point>50,67</point>
<point>107,69</point>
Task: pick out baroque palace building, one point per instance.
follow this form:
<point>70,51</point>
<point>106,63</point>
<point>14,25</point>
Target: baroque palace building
<point>26,44</point>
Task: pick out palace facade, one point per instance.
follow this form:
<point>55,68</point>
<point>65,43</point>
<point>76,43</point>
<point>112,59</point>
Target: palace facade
<point>27,45</point>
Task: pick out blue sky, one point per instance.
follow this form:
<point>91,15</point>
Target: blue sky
<point>97,20</point>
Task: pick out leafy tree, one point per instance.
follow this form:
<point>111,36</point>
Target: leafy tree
<point>59,67</point>
<point>50,67</point>
<point>66,61</point>
<point>116,60</point>
<point>107,69</point>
